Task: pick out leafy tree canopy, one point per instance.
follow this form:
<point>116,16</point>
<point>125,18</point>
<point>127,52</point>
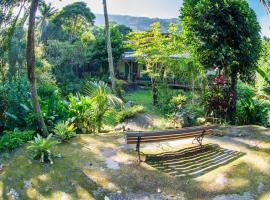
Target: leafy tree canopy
<point>98,54</point>
<point>71,21</point>
<point>223,33</point>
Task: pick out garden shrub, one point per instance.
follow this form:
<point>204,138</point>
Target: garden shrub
<point>245,91</point>
<point>129,112</point>
<point>77,106</point>
<point>12,139</point>
<point>14,95</point>
<point>252,111</point>
<point>54,108</point>
<point>46,89</point>
<point>64,130</point>
<point>165,97</point>
<point>102,100</point>
<point>120,92</point>
<point>111,117</point>
<point>40,148</point>
<point>178,100</point>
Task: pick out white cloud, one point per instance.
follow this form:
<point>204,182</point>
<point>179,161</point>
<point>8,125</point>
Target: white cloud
<point>265,25</point>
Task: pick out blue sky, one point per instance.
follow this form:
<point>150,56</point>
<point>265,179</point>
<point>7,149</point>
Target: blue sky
<point>158,8</point>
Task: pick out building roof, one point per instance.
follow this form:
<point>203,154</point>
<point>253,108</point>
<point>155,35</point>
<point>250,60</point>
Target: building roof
<point>130,56</point>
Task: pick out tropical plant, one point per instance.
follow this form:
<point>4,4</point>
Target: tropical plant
<point>41,148</point>
<point>155,50</point>
<point>64,130</point>
<point>72,21</point>
<point>211,34</point>
<point>46,12</point>
<point>178,100</point>
<point>128,112</point>
<point>102,100</point>
<point>252,111</point>
<point>12,139</point>
<point>98,54</point>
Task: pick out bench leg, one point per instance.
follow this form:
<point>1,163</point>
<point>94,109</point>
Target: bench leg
<point>199,139</point>
<point>138,148</point>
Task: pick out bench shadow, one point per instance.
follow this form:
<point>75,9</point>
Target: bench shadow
<point>194,161</point>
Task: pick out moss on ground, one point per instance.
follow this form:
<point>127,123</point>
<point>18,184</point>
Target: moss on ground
<point>83,171</point>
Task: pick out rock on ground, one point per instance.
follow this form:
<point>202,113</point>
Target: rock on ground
<point>245,196</point>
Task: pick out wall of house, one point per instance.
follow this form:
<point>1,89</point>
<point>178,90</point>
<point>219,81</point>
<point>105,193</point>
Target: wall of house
<point>120,69</point>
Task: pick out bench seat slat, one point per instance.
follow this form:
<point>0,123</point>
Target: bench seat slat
<point>164,138</point>
<point>172,135</point>
<point>170,132</point>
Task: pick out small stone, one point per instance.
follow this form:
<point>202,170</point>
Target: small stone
<point>102,169</point>
<point>261,188</point>
<point>64,196</point>
<point>88,165</point>
<point>254,145</point>
<point>1,167</point>
<point>27,184</point>
<point>220,179</point>
<point>29,162</point>
<point>106,198</point>
<point>13,194</point>
<point>129,104</point>
<point>99,191</point>
<point>111,186</point>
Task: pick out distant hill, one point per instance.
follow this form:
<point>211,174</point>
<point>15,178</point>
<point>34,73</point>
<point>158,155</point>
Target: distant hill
<point>137,23</point>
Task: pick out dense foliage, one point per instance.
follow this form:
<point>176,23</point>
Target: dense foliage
<point>55,68</point>
<point>233,46</point>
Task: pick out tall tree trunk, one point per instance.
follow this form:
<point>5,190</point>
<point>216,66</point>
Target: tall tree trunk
<point>193,89</point>
<point>154,91</point>
<point>109,46</point>
<point>30,56</point>
<point>233,95</point>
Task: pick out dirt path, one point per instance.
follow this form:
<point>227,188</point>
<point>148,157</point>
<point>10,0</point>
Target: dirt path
<point>235,167</point>
<point>144,122</point>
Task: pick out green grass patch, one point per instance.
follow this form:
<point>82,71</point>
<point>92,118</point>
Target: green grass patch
<point>144,98</point>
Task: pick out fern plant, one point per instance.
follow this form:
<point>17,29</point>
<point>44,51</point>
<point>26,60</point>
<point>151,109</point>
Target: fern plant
<point>102,100</point>
<point>64,131</point>
<point>41,148</point>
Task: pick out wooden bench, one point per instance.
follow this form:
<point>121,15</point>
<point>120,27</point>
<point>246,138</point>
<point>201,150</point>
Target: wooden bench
<point>197,132</point>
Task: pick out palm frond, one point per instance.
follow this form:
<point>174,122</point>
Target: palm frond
<point>266,6</point>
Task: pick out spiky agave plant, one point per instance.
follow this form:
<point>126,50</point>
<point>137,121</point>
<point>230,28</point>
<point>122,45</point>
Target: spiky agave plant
<point>64,130</point>
<point>102,100</point>
<point>41,148</point>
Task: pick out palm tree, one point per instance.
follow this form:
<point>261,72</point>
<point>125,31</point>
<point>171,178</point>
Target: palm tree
<point>266,5</point>
<point>46,11</point>
<point>102,100</point>
<point>30,57</point>
<point>109,46</point>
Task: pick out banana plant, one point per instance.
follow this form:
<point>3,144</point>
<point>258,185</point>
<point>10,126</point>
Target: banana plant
<point>266,77</point>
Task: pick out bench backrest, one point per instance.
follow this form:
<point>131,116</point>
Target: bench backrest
<point>166,135</point>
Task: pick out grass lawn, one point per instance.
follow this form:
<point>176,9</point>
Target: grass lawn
<point>95,166</point>
<point>143,97</point>
<point>234,165</point>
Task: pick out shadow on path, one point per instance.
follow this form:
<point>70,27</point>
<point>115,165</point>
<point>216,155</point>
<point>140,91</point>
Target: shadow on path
<point>194,161</point>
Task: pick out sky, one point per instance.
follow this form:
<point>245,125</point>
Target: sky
<point>157,8</point>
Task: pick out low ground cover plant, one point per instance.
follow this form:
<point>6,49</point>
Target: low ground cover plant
<point>129,112</point>
<point>65,130</point>
<point>40,148</point>
<point>12,139</point>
